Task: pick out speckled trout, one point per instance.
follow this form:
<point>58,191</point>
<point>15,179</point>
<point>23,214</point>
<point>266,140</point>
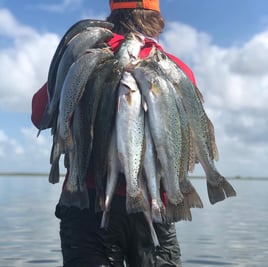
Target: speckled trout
<point>71,33</point>
<point>130,49</point>
<point>73,89</point>
<point>130,140</point>
<point>103,126</point>
<point>82,121</point>
<point>191,197</point>
<point>152,176</point>
<point>200,127</point>
<point>113,169</point>
<point>78,46</point>
<point>164,125</point>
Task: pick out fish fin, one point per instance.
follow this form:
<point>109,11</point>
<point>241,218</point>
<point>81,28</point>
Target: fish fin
<point>218,192</point>
<point>215,193</point>
<point>213,146</point>
<point>56,150</point>
<point>179,212</point>
<point>228,189</point>
<point>54,174</point>
<point>199,94</point>
<point>192,153</point>
<point>38,133</point>
<point>136,203</point>
<point>192,198</point>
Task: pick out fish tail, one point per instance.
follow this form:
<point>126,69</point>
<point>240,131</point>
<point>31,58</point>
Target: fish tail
<point>55,152</point>
<point>228,189</point>
<point>192,198</point>
<point>185,212</point>
<point>54,174</point>
<point>215,193</point>
<point>218,187</point>
<point>179,212</point>
<point>136,203</point>
<point>38,133</point>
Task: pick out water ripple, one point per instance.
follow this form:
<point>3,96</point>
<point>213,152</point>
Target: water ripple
<point>210,262</point>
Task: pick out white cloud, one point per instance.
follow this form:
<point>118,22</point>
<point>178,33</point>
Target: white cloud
<point>234,76</point>
<point>24,64</point>
<point>3,136</point>
<point>26,152</point>
<point>252,58</point>
<point>234,82</point>
<point>9,147</point>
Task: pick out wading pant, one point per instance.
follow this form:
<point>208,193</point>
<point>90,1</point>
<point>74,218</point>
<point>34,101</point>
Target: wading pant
<point>126,242</point>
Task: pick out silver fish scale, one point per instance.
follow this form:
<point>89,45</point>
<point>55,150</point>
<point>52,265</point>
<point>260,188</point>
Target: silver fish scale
<point>100,32</point>
<point>113,170</point>
<point>130,49</point>
<point>72,32</point>
<point>76,48</point>
<point>200,127</point>
<point>130,141</point>
<point>152,177</point>
<point>185,89</point>
<point>164,125</point>
<point>131,123</point>
<point>73,89</point>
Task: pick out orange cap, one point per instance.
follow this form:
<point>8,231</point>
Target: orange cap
<point>146,4</point>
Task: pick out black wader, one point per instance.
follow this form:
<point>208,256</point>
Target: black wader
<point>126,242</point>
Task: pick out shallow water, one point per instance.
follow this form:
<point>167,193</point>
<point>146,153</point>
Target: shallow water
<point>230,233</point>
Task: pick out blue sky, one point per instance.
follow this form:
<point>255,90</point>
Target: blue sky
<point>224,42</point>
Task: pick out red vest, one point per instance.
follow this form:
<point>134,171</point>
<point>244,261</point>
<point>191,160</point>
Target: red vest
<point>40,98</point>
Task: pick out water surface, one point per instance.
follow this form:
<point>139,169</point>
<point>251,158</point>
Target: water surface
<point>230,233</point>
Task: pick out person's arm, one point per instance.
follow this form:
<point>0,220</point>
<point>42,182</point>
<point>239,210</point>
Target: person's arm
<point>39,102</point>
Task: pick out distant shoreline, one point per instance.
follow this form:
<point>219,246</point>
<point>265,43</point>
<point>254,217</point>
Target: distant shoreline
<point>40,174</point>
<point>25,174</point>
